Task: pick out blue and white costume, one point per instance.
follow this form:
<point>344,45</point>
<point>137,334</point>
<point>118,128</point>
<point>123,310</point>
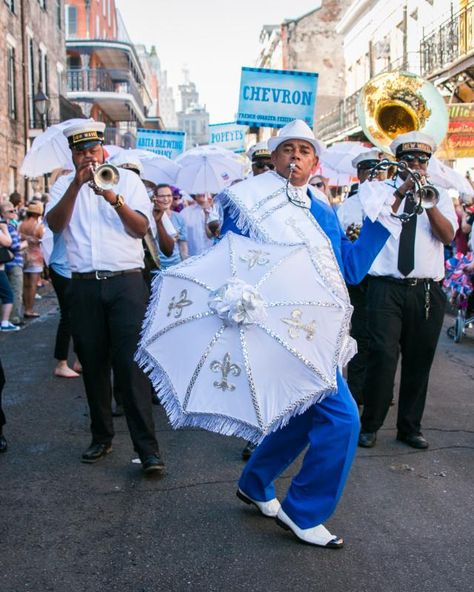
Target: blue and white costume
<point>259,208</point>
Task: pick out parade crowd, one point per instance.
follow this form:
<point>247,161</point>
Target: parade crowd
<point>101,249</point>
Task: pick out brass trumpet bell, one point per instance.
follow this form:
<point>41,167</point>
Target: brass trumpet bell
<point>395,103</point>
<point>106,176</point>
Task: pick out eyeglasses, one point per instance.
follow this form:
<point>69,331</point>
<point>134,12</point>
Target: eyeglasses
<point>262,165</point>
<point>421,158</point>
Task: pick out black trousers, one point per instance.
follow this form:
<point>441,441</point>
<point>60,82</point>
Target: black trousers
<point>397,325</point>
<point>3,421</point>
<point>62,287</point>
<point>106,321</point>
<point>357,366</point>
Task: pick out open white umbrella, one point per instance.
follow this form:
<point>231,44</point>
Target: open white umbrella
<point>155,167</point>
<point>243,337</point>
<point>339,157</point>
<point>49,151</point>
<point>208,169</point>
<point>446,177</point>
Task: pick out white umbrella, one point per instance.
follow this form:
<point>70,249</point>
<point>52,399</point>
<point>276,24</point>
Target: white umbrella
<point>339,157</point>
<point>49,151</point>
<point>446,177</point>
<point>243,337</point>
<point>208,169</point>
<point>155,167</point>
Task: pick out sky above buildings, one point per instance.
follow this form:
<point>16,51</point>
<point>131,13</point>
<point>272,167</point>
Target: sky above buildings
<point>212,38</point>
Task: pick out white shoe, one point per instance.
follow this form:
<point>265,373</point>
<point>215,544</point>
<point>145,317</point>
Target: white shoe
<point>317,535</point>
<point>269,508</point>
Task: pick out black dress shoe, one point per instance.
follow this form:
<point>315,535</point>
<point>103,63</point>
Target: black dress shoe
<point>95,452</point>
<point>367,439</point>
<point>248,450</point>
<point>413,440</point>
<point>3,444</point>
<point>153,464</point>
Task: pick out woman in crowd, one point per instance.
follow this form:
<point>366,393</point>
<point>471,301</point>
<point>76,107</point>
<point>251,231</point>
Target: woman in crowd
<point>162,202</point>
<point>6,294</point>
<point>32,230</point>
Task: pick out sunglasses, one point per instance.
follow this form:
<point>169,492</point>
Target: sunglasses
<point>262,165</point>
<point>422,158</point>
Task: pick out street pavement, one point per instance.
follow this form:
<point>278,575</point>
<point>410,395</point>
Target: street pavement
<point>406,515</point>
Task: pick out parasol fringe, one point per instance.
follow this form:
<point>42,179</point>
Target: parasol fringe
<point>237,215</point>
<point>219,424</point>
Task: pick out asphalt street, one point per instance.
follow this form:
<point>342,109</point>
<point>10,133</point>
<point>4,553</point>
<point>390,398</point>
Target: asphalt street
<point>406,515</point>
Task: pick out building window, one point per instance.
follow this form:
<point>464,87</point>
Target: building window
<point>71,20</point>
<point>97,26</point>
<point>12,179</point>
<point>31,81</point>
<point>10,4</point>
<point>11,91</point>
<point>59,14</point>
<point>43,70</point>
<point>42,3</point>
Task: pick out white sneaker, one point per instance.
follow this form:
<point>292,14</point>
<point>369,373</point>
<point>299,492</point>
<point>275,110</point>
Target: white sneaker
<point>269,508</point>
<point>317,535</point>
<point>9,327</point>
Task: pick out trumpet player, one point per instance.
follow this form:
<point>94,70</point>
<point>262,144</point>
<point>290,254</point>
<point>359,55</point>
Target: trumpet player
<point>351,217</point>
<point>405,302</point>
<point>103,231</point>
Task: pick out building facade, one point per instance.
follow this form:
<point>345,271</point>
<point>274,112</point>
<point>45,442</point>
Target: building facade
<point>33,58</point>
<point>104,73</point>
<point>193,117</point>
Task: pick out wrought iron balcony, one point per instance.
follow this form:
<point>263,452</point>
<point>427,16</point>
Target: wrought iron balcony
<point>100,80</point>
<point>449,42</point>
<point>343,117</point>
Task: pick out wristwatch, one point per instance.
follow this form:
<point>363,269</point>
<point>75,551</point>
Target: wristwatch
<point>118,202</point>
<point>399,194</point>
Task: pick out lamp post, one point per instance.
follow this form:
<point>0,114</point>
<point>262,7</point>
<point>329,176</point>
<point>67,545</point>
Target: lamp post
<point>42,102</point>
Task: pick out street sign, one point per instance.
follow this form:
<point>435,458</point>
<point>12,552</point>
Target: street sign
<point>229,135</point>
<point>273,98</point>
<point>164,142</point>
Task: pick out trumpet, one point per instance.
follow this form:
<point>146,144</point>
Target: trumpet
<point>104,176</point>
<point>425,196</point>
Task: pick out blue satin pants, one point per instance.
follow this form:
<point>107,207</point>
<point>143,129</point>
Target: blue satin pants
<point>329,430</point>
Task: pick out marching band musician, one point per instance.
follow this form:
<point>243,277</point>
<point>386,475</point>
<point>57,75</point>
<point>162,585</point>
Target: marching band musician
<point>103,231</point>
<point>280,206</point>
<point>405,302</point>
<point>351,217</point>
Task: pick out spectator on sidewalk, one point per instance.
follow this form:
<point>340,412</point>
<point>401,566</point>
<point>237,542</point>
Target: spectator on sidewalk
<point>14,268</point>
<point>162,202</point>
<point>6,294</point>
<point>32,230</point>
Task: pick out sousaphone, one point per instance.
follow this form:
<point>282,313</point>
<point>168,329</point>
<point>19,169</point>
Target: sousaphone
<point>395,103</point>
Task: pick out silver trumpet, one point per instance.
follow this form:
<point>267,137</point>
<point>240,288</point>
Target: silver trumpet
<point>105,176</point>
<point>424,195</point>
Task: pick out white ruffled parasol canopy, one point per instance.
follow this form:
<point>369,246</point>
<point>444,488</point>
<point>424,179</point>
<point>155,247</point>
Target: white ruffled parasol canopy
<point>240,339</point>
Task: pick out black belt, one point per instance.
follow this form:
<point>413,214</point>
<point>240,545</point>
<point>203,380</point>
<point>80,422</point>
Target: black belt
<point>403,281</point>
<point>102,275</point>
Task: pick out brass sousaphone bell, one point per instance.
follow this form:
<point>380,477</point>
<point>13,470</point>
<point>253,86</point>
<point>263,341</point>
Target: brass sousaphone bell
<point>396,103</point>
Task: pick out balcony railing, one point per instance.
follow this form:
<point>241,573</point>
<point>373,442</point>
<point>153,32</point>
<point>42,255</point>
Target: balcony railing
<point>343,117</point>
<point>449,42</point>
<point>102,80</point>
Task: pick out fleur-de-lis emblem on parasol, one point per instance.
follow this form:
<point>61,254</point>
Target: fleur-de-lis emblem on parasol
<point>179,304</point>
<point>296,325</point>
<point>255,257</point>
<point>225,368</point>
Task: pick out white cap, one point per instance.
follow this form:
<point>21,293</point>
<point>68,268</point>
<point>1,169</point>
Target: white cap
<point>373,154</point>
<point>417,141</point>
<point>260,149</point>
<point>125,161</point>
<point>296,130</point>
<point>83,133</point>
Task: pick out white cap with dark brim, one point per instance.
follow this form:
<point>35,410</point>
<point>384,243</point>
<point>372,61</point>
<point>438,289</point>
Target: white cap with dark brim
<point>413,142</point>
<point>366,155</point>
<point>81,135</point>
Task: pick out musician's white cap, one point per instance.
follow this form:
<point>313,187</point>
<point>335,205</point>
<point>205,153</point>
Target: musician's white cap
<point>258,150</point>
<point>296,130</point>
<point>84,135</point>
<point>369,154</point>
<point>413,141</point>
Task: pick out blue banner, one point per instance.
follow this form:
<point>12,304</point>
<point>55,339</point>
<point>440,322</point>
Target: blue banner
<point>273,98</point>
<point>228,135</point>
<point>164,142</point>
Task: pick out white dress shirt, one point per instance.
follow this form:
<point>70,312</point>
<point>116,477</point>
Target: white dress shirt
<point>429,251</point>
<point>195,219</point>
<point>351,211</point>
<point>96,239</point>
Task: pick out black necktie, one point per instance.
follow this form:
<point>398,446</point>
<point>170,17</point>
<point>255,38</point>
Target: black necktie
<point>406,247</point>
